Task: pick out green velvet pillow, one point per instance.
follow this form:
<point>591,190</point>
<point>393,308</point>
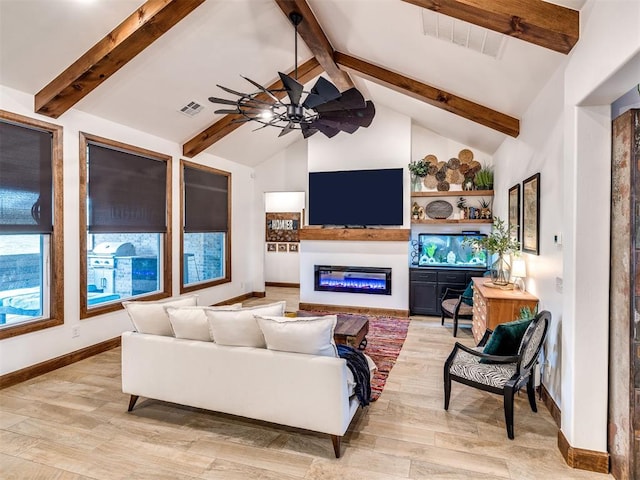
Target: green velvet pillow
<point>506,338</point>
<point>467,295</point>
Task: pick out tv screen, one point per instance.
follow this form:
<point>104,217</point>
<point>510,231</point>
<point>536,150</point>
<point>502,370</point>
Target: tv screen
<point>356,197</point>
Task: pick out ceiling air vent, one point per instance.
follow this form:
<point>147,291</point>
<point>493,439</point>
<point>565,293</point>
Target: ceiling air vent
<point>462,33</point>
<point>191,109</point>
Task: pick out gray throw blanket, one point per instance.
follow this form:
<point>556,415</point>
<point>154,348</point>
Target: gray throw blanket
<point>357,363</point>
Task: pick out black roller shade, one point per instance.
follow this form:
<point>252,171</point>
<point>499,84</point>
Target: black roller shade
<point>26,188</point>
<point>206,201</point>
<point>127,192</point>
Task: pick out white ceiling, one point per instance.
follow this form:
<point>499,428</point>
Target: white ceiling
<point>223,39</point>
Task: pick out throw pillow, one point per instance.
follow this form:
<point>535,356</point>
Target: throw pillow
<point>239,327</point>
<point>150,317</point>
<point>506,338</point>
<point>467,295</point>
<point>191,323</point>
<point>310,335</point>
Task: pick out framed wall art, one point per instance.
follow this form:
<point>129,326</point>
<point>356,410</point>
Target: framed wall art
<point>293,247</point>
<point>282,227</point>
<point>531,214</point>
<point>271,247</point>
<point>514,211</point>
<point>282,247</point>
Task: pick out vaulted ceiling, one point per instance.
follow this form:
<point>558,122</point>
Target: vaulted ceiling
<point>138,63</point>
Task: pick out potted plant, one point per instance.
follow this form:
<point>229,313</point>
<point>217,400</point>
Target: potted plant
<point>418,170</point>
<point>501,243</point>
<point>485,208</point>
<point>484,178</point>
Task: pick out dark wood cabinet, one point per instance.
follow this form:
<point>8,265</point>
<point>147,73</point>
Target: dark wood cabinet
<point>427,285</point>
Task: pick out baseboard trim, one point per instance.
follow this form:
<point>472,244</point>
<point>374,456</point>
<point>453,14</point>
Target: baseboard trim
<point>551,405</point>
<point>240,298</point>
<point>282,284</point>
<point>582,459</point>
<point>359,310</point>
<point>47,366</point>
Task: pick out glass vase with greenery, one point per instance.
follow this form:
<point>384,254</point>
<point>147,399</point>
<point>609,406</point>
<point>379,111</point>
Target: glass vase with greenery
<point>418,170</point>
<point>502,243</point>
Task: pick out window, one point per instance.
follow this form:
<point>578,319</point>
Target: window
<point>206,204</point>
<point>126,252</point>
<point>31,289</point>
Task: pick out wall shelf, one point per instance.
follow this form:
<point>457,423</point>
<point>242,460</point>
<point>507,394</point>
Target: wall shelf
<point>431,221</point>
<point>455,193</point>
<point>356,234</point>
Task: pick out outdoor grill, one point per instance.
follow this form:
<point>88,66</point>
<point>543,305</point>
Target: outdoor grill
<point>105,253</point>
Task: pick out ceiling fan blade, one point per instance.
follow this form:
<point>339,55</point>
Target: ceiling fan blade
<point>261,88</point>
<point>350,99</point>
<point>325,129</point>
<point>307,131</point>
<point>322,92</point>
<point>289,128</point>
<point>233,92</point>
<point>222,101</point>
<point>361,117</point>
<point>226,111</point>
<point>292,87</point>
<point>241,120</point>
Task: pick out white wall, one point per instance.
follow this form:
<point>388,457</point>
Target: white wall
<point>283,267</point>
<point>539,148</point>
<point>25,350</point>
<point>565,135</point>
<point>385,144</point>
<point>284,172</point>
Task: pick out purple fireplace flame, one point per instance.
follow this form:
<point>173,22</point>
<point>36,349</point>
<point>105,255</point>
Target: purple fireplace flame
<point>370,280</point>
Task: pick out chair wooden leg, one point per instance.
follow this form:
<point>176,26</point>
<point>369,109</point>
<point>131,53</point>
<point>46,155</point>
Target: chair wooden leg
<point>132,402</point>
<point>508,410</point>
<point>447,387</point>
<point>531,392</point>
<point>335,439</point>
<point>455,325</point>
<point>442,318</point>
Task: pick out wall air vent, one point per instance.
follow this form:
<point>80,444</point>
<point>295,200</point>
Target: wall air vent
<point>191,109</point>
<point>462,33</point>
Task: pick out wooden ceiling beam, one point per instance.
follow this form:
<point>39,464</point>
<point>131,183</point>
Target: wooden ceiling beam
<point>111,53</point>
<point>431,95</point>
<point>534,21</point>
<point>313,35</point>
<point>223,127</point>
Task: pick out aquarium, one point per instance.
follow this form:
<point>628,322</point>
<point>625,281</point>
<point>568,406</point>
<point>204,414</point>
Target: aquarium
<point>450,250</point>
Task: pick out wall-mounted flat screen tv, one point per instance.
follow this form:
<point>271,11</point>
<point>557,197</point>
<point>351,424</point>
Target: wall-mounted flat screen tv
<point>356,198</point>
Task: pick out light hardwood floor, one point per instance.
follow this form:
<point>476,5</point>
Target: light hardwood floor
<point>72,424</point>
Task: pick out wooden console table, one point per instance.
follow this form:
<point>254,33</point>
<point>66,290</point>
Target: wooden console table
<point>492,306</point>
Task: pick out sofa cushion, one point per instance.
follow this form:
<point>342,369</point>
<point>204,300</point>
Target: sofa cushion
<point>310,335</point>
<point>150,317</point>
<point>239,327</point>
<point>191,323</point>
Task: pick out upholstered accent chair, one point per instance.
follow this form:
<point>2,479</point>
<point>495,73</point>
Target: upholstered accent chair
<point>458,305</point>
<point>500,374</point>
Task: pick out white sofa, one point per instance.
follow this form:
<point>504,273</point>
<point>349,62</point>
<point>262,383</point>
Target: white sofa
<point>299,390</point>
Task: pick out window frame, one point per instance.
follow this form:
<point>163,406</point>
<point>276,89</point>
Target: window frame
<point>56,247</point>
<point>227,261</point>
<point>85,311</point>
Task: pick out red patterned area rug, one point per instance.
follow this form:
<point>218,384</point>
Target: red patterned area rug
<point>384,342</point>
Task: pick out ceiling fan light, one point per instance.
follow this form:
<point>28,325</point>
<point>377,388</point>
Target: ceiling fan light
<point>266,114</point>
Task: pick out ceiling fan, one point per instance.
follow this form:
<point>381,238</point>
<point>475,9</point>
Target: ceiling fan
<point>324,109</point>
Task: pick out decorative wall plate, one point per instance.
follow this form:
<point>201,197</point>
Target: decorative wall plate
<point>439,209</point>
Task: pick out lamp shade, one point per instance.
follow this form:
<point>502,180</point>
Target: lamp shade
<point>518,268</point>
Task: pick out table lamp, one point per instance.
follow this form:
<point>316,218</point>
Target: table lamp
<point>519,272</point>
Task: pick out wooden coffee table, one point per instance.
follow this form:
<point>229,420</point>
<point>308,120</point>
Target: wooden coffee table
<point>352,330</point>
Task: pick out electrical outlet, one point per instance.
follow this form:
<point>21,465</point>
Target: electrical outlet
<point>559,284</point>
<point>75,332</point>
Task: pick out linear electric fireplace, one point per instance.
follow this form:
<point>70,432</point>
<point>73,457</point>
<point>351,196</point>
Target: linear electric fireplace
<point>372,280</point>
